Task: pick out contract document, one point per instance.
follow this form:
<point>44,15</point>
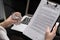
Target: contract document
<point>44,16</point>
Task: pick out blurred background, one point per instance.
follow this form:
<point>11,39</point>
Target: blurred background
<point>7,7</point>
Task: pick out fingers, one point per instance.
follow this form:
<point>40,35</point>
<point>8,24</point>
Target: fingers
<point>55,28</point>
<point>50,35</point>
<point>16,15</point>
<point>57,24</point>
<point>14,21</point>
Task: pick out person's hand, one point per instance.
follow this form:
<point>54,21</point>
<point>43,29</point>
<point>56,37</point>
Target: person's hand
<point>10,20</point>
<point>50,35</point>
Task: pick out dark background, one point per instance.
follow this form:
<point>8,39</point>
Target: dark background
<point>55,1</point>
<point>20,6</point>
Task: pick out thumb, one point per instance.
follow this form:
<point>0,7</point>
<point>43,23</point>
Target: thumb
<point>47,30</point>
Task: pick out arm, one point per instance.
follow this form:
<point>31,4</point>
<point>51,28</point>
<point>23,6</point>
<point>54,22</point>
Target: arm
<point>3,34</point>
<point>9,21</point>
<point>5,24</point>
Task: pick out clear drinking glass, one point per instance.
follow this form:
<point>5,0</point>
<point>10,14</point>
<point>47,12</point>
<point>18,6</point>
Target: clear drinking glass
<point>17,17</point>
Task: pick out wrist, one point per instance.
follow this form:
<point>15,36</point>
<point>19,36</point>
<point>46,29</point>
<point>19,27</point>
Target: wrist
<point>2,24</point>
<point>5,24</point>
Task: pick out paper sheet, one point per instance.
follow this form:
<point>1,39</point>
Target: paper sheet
<point>43,17</point>
<point>19,28</point>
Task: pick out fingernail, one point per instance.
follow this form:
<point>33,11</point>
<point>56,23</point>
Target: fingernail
<point>57,23</point>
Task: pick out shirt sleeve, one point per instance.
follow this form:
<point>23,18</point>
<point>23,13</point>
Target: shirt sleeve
<point>3,34</point>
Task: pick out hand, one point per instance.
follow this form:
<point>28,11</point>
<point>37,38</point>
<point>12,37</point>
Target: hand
<point>17,16</point>
<point>9,21</point>
<point>50,35</point>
